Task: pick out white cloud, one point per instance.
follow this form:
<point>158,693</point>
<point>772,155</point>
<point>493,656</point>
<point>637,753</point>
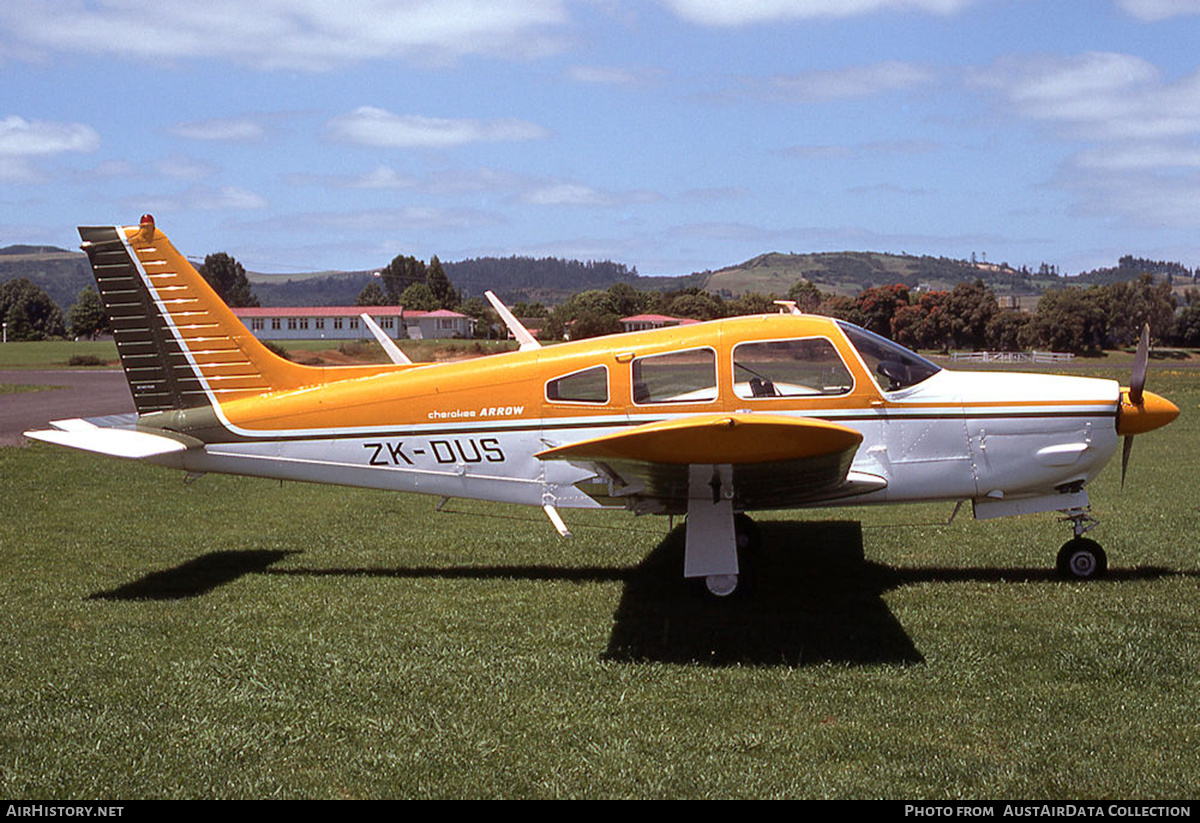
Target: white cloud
<point>1139,131</point>
<point>370,126</point>
<point>1153,11</point>
<point>203,198</point>
<point>493,184</point>
<point>744,12</point>
<point>114,168</point>
<point>567,193</point>
<point>18,170</point>
<point>233,129</point>
<point>839,84</point>
<point>1139,157</point>
<point>382,177</point>
<point>1098,96</point>
<point>183,168</point>
<point>874,149</point>
<point>293,34</point>
<point>26,138</point>
<point>229,197</point>
<point>615,76</point>
<point>408,218</point>
<point>1147,200</point>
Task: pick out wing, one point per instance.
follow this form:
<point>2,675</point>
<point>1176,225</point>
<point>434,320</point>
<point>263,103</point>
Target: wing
<point>777,461</point>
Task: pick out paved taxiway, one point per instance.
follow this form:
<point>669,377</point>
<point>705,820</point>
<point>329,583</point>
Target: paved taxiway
<point>87,393</point>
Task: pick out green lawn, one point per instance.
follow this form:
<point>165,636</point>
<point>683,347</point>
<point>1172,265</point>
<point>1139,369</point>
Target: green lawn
<point>54,354</point>
<point>22,388</point>
<point>245,638</point>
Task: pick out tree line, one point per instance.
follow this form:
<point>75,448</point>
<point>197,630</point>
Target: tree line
<point>968,316</point>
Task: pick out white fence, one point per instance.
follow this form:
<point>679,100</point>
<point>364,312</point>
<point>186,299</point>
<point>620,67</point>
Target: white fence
<point>1011,356</point>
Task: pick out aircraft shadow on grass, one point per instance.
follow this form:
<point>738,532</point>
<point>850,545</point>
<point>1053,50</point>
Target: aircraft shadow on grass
<point>812,597</point>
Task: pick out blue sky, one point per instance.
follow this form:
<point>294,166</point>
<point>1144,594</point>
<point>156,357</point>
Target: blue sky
<point>674,136</point>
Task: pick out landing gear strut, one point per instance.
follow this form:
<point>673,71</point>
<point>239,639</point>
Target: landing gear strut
<point>1081,558</point>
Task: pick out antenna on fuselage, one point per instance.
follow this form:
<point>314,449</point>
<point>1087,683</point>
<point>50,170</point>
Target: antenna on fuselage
<point>527,340</point>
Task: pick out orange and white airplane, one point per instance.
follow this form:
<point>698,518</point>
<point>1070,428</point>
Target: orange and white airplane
<point>710,420</point>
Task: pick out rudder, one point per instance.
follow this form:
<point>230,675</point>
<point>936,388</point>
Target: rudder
<point>181,347</point>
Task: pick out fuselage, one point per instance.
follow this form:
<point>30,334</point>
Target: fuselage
<point>472,428</point>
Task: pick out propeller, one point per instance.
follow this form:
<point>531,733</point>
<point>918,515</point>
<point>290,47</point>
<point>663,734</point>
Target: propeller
<point>1137,388</point>
<point>1138,410</point>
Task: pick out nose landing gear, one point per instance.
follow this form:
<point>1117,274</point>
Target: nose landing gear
<point>1081,558</point>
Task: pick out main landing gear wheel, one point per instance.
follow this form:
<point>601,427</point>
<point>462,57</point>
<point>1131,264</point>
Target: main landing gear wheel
<point>721,585</point>
<point>1081,559</point>
<point>748,538</point>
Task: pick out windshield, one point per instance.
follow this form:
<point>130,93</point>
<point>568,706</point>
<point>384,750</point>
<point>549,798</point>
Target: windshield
<point>894,366</point>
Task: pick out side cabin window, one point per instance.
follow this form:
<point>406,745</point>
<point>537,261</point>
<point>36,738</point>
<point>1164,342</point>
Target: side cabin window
<point>809,367</point>
<point>587,386</point>
<point>676,377</point>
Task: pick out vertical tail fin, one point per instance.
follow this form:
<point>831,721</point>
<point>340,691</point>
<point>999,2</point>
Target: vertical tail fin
<point>180,345</point>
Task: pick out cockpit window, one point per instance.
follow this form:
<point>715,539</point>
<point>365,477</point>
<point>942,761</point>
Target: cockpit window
<point>894,366</point>
<point>808,367</point>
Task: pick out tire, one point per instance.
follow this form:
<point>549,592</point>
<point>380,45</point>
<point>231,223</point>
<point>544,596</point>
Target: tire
<point>1081,559</point>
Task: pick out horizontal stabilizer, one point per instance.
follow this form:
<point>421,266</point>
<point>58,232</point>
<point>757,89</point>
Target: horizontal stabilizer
<point>114,442</point>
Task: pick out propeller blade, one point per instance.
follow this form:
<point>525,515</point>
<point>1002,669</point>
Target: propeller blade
<point>1137,381</point>
<point>1125,450</point>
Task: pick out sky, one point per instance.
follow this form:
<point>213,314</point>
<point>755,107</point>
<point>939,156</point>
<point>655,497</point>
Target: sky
<point>670,135</point>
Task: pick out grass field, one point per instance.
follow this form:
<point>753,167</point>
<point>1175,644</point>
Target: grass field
<point>243,638</point>
<point>22,388</point>
<point>53,354</point>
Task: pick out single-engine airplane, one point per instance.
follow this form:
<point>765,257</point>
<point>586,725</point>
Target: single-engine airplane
<point>711,420</point>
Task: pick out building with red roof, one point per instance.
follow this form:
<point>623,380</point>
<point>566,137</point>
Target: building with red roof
<point>344,323</point>
<point>641,322</point>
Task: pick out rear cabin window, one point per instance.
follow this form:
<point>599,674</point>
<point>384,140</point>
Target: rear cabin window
<point>789,368</point>
<point>587,386</point>
<point>676,377</point>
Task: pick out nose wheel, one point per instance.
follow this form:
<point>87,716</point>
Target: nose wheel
<point>1081,558</point>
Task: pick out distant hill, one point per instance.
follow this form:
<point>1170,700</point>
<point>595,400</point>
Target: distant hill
<point>62,274</point>
<point>1130,267</point>
<point>316,289</point>
<point>58,272</point>
<point>849,273</point>
<point>541,279</point>
<point>21,250</point>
